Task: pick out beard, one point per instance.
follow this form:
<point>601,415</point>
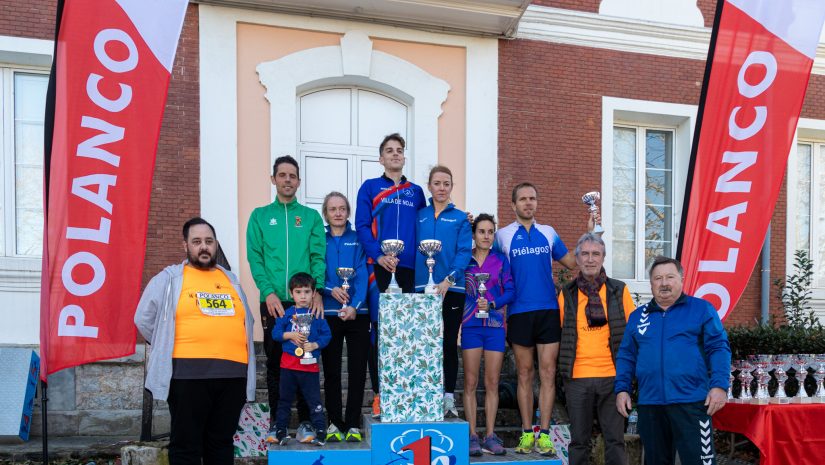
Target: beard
<point>197,262</point>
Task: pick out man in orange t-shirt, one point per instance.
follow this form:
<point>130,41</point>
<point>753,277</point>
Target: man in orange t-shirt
<point>594,310</point>
<point>197,320</point>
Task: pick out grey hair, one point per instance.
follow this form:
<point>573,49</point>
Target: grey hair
<point>660,260</point>
<point>590,237</point>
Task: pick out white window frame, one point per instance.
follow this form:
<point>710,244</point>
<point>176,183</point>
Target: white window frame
<point>8,161</point>
<point>17,55</point>
<point>810,131</point>
<point>680,119</point>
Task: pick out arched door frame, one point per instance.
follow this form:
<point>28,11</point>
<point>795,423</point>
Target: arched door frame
<point>355,63</point>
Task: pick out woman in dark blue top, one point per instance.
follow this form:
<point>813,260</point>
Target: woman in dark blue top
<point>441,220</point>
<point>347,316</point>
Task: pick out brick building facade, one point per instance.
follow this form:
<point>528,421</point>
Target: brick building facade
<point>551,92</point>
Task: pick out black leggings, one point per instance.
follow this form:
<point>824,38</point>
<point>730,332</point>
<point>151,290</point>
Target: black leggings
<point>357,335</point>
<point>451,310</point>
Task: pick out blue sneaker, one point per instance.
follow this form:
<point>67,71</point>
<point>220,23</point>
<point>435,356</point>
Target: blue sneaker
<point>475,447</point>
<point>493,445</point>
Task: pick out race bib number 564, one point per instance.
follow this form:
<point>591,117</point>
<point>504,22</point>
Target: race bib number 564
<point>215,304</point>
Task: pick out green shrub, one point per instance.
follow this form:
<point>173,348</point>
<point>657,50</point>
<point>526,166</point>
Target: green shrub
<point>746,341</point>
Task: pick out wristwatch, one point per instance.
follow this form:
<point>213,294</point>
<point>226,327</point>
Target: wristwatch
<point>450,279</point>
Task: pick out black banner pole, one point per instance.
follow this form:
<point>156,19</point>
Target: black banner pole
<point>700,113</point>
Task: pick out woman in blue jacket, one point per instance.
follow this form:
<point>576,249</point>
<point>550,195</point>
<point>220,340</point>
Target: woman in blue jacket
<point>441,220</point>
<point>348,319</point>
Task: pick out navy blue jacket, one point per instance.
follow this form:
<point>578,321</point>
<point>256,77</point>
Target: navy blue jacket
<point>386,211</point>
<point>676,355</point>
<point>345,251</point>
<point>319,331</point>
<point>454,231</point>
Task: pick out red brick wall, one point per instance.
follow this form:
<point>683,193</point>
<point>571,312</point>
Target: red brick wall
<point>708,7</point>
<point>550,99</point>
<point>176,184</point>
<point>28,18</point>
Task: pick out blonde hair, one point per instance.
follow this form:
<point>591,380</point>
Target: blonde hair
<point>326,201</point>
<point>440,169</point>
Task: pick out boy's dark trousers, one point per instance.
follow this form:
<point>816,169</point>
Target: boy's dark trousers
<point>308,384</point>
<point>273,350</point>
<point>357,334</point>
<point>686,428</point>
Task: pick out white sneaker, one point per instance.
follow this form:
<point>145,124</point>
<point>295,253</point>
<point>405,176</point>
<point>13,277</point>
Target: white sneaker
<point>450,411</point>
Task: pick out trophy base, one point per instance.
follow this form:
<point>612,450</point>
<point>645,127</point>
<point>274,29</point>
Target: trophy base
<point>483,315</point>
<point>818,400</point>
<point>764,401</point>
<point>780,400</point>
<point>734,401</point>
<point>393,290</point>
<point>802,400</point>
<point>309,361</point>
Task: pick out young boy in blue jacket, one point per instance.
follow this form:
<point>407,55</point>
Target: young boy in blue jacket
<point>296,375</point>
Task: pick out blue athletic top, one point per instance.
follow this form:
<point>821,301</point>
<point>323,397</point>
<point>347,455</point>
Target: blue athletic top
<point>386,211</point>
<point>346,251</point>
<point>531,256</point>
<point>454,231</point>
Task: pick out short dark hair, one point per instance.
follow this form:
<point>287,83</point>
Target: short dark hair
<point>301,280</point>
<point>286,159</point>
<point>194,222</point>
<point>660,260</point>
<point>483,217</point>
<point>394,136</point>
<point>522,185</point>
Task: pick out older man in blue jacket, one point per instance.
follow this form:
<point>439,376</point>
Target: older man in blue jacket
<point>678,351</point>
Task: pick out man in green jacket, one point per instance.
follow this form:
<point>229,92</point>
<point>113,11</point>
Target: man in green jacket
<point>284,238</point>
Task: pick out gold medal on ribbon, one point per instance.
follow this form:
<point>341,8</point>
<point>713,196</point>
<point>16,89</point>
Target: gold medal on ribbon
<point>299,351</point>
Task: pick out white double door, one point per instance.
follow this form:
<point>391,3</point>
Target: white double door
<point>340,129</point>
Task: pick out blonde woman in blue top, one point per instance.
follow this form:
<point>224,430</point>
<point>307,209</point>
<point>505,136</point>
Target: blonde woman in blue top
<point>441,220</point>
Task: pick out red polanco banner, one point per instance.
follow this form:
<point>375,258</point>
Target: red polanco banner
<point>753,93</point>
<point>111,71</point>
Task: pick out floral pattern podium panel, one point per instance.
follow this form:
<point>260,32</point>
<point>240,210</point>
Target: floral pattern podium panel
<point>410,358</point>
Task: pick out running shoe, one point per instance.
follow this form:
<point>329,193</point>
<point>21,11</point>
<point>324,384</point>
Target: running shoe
<point>475,447</point>
<point>305,434</point>
<point>354,435</point>
<point>376,406</point>
<point>449,407</point>
<point>544,445</point>
<point>319,440</point>
<point>525,443</point>
<point>277,436</point>
<point>333,434</point>
<point>493,445</point>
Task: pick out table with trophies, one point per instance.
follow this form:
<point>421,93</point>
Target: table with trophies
<point>786,429</point>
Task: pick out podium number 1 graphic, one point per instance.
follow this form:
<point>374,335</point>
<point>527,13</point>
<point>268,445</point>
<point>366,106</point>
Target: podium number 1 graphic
<point>421,450</point>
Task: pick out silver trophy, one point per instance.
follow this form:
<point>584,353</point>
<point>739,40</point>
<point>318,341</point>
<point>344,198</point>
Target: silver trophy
<point>762,363</point>
<point>430,247</point>
<point>590,199</point>
<point>819,375</point>
<point>391,248</point>
<point>345,274</point>
<point>303,323</point>
<point>801,364</point>
<point>780,364</point>
<point>482,292</point>
<point>746,375</point>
